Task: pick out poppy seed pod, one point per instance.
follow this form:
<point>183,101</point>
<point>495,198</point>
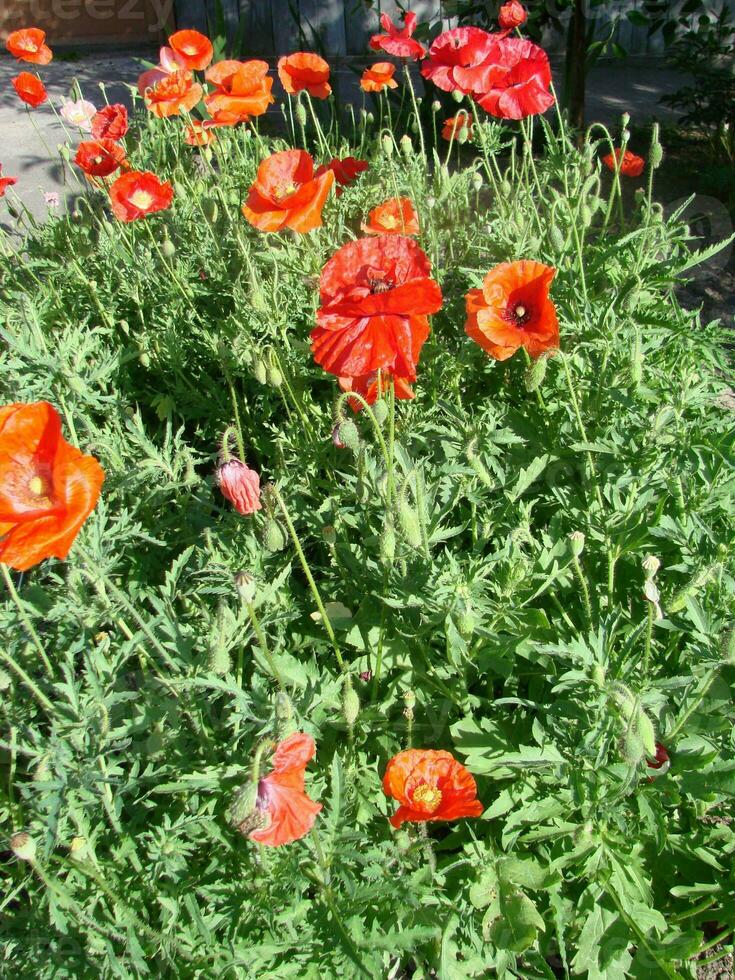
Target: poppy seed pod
<point>380,411</point>
<point>406,146</point>
<point>576,543</point>
<point>651,565</point>
<point>388,543</point>
<point>23,846</point>
<point>329,534</point>
<point>388,145</point>
<point>245,585</point>
<point>409,521</point>
<point>350,704</point>
<point>457,95</point>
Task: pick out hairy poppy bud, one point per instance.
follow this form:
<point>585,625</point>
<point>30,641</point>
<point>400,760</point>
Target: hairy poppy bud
<point>388,543</point>
<point>336,438</point>
<point>300,113</point>
<point>273,537</point>
<point>380,411</point>
<point>210,209</point>
<point>350,704</point>
<point>240,485</point>
<point>168,249</point>
<point>535,373</point>
<point>728,647</point>
<point>406,146</point>
<point>477,180</point>
<point>243,803</point>
<point>23,846</point>
<point>284,708</point>
<point>576,543</point>
<point>260,371</point>
<point>598,675</point>
<point>623,699</point>
<point>218,659</point>
<point>349,435</point>
<point>409,521</point>
<point>457,95</point>
<point>586,214</point>
<point>656,156</point>
<point>370,118</point>
<point>505,189</point>
<point>632,748</point>
<point>646,732</point>
<point>274,377</point>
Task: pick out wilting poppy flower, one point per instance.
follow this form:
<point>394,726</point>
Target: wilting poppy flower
<point>79,113</point>
<point>661,762</point>
<point>192,50</point>
<point>346,170</point>
<point>512,15</point>
<point>173,95</point>
<point>110,122</point>
<point>242,89</point>
<point>30,89</point>
<point>518,76</point>
<point>286,813</point>
<point>376,294</point>
<point>371,386</point>
<point>305,71</point>
<point>139,193</point>
<point>459,127</point>
<point>457,60</point>
<point>47,487</point>
<point>29,45</point>
<point>6,182</point>
<point>396,216</point>
<point>398,42</point>
<point>513,310</point>
<point>630,165</point>
<point>240,485</point>
<point>430,784</point>
<point>99,158</point>
<point>287,194</point>
<point>378,77</point>
<point>198,134</point>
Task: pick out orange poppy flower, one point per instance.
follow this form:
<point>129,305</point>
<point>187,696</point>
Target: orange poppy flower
<point>430,785</point>
<point>346,171</point>
<point>305,71</point>
<point>139,193</point>
<point>47,487</point>
<point>110,122</point>
<point>513,310</point>
<point>174,94</point>
<point>242,89</point>
<point>29,45</point>
<point>457,125</point>
<point>99,158</point>
<point>376,294</point>
<point>6,182</point>
<point>396,216</point>
<point>198,134</point>
<point>30,89</point>
<point>378,77</point>
<point>630,165</point>
<point>192,50</point>
<point>286,812</point>
<point>287,194</point>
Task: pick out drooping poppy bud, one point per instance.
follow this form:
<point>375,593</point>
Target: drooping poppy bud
<point>240,485</point>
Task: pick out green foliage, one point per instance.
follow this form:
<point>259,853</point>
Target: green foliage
<point>499,607</point>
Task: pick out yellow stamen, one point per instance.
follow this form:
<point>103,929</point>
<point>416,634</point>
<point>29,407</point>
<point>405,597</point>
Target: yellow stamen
<point>427,797</point>
<point>37,486</point>
<point>520,310</point>
<point>141,199</point>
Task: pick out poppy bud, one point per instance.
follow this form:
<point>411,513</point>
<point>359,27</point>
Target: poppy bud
<point>300,113</point>
<point>388,145</point>
<point>466,620</point>
<point>651,565</point>
<point>576,543</point>
<point>505,188</point>
<point>477,180</point>
<point>273,537</point>
<point>260,371</point>
<point>632,748</point>
<point>350,704</point>
<point>409,522</point>
<point>457,95</point>
<point>478,466</point>
<point>586,216</point>
<point>380,411</point>
<point>284,708</point>
<point>243,803</point>
<point>728,647</point>
<point>144,359</point>
<point>556,238</point>
<point>218,659</point>
<point>598,675</point>
<point>240,485</point>
<point>210,209</point>
<point>274,377</point>
<point>78,850</point>
<point>336,438</point>
<point>23,846</point>
<point>623,699</point>
<point>646,732</point>
<point>349,435</point>
<point>4,680</point>
<point>168,249</point>
<point>406,146</point>
<point>245,585</point>
<point>388,543</point>
<point>436,106</point>
<point>656,156</point>
<point>535,373</point>
<point>625,119</point>
<point>329,534</point>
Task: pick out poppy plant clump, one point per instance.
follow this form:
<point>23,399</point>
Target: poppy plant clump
<point>426,670</point>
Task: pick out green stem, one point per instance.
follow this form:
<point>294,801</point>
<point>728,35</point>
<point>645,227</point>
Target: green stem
<point>26,620</point>
<point>407,72</point>
<point>708,682</point>
<point>30,684</point>
<point>582,579</point>
<point>263,644</point>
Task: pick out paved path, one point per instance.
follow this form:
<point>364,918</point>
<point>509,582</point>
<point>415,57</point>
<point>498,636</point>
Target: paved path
<point>614,88</point>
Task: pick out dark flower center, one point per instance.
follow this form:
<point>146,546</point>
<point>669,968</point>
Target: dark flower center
<point>518,314</point>
<point>378,285</point>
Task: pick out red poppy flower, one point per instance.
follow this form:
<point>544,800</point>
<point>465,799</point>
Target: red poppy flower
<point>30,89</point>
<point>630,165</point>
<point>398,42</point>
<point>457,60</point>
<point>371,386</point>
<point>458,127</point>
<point>110,122</point>
<point>199,134</point>
<point>660,761</point>
<point>518,76</point>
<point>99,158</point>
<point>346,170</point>
<point>378,77</point>
<point>396,216</point>
<point>376,294</point>
<point>512,15</point>
<point>29,45</point>
<point>192,50</point>
<point>286,812</point>
<point>513,310</point>
<point>287,194</point>
<point>430,785</point>
<point>240,485</point>
<point>242,90</point>
<point>47,487</point>
<point>174,94</point>
<point>305,71</point>
<point>6,182</point>
<point>139,193</point>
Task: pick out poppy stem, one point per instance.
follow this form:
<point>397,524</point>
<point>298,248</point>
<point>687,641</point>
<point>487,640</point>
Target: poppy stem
<point>30,684</point>
<point>582,429</point>
<point>407,72</point>
<point>684,718</point>
<point>323,145</point>
<point>263,644</point>
<point>647,644</point>
<point>388,457</point>
<point>309,578</point>
<point>25,619</point>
